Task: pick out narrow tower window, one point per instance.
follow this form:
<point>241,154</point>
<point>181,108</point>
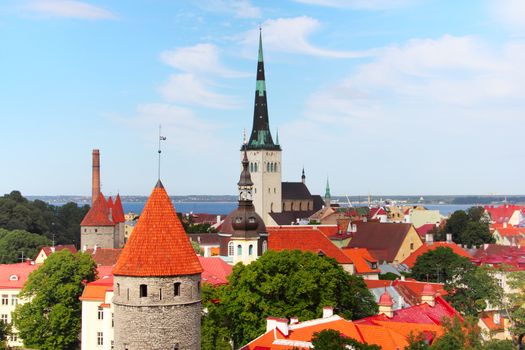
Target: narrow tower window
<point>250,249</point>
<point>230,249</point>
<point>176,289</point>
<point>239,250</point>
<point>143,290</point>
<point>264,246</point>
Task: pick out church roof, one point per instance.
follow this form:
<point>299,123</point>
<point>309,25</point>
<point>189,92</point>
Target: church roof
<point>295,191</point>
<point>159,245</point>
<point>98,214</point>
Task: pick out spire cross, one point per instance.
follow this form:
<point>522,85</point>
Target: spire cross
<point>22,258</point>
<point>161,138</point>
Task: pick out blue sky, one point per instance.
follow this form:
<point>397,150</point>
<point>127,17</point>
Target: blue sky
<point>381,96</point>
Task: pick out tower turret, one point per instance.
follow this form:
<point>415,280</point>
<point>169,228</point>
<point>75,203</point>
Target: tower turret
<point>303,177</point>
<point>157,296</point>
<point>327,195</point>
<point>264,156</point>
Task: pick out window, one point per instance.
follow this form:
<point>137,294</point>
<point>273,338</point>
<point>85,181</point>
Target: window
<point>5,299</point>
<point>251,167</point>
<point>100,314</point>
<point>112,320</point>
<point>239,250</point>
<point>160,293</point>
<point>14,337</point>
<point>14,300</point>
<point>118,288</point>
<point>127,291</point>
<point>411,246</point>
<point>198,286</point>
<point>250,249</point>
<point>254,167</point>
<point>264,246</point>
<point>96,230</point>
<point>112,344</point>
<point>100,338</point>
<point>230,249</point>
<point>4,318</point>
<point>13,278</point>
<point>268,167</point>
<point>176,289</point>
<point>143,291</point>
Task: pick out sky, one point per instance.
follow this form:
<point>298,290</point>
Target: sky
<point>380,96</point>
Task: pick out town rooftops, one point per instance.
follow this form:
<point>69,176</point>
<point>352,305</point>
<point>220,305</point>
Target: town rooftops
<point>410,261</point>
<point>105,256</point>
<point>104,213</point>
<point>383,240</point>
<point>304,239</point>
<point>503,213</point>
<point>295,191</point>
<point>364,262</point>
<point>159,245</point>
<point>216,270</point>
<point>14,276</point>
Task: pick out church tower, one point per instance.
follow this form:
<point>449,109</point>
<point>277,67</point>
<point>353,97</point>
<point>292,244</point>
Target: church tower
<point>157,296</point>
<point>264,156</point>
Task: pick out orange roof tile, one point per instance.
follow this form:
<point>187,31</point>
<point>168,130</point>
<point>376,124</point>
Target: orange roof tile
<point>361,258</point>
<point>159,245</point>
<point>411,259</point>
<point>94,293</point>
<point>306,239</point>
<point>98,215</point>
<point>118,211</point>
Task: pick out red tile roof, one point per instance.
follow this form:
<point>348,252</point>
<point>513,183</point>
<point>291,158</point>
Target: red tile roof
<point>412,290</point>
<point>503,213</point>
<point>411,259</point>
<point>105,256</point>
<point>14,276</point>
<point>49,250</point>
<point>423,230</point>
<point>304,239</point>
<point>118,211</point>
<point>216,270</point>
<point>362,260</point>
<point>96,290</point>
<point>159,245</point>
<point>98,215</point>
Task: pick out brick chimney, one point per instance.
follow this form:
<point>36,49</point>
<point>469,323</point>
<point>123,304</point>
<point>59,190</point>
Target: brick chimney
<point>95,186</point>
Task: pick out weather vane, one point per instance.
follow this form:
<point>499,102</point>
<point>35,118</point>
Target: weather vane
<point>161,138</point>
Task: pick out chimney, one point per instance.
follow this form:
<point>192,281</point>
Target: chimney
<point>449,238</point>
<point>328,311</point>
<point>52,249</point>
<point>428,295</point>
<point>429,238</point>
<point>95,248</point>
<point>504,225</point>
<point>294,320</point>
<point>95,186</point>
<point>281,324</point>
<point>218,219</point>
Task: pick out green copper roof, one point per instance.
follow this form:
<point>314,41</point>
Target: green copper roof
<point>260,47</point>
<point>260,86</point>
<point>327,192</point>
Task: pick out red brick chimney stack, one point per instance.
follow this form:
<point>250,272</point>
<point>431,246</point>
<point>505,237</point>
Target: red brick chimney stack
<point>95,187</point>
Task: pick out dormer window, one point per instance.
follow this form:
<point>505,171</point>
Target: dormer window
<point>251,219</point>
<point>13,278</point>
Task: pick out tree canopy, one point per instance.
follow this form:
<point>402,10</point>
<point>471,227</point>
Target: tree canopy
<point>15,243</point>
<point>331,339</point>
<point>285,284</point>
<point>59,222</point>
<point>51,319</point>
<point>468,286</point>
<point>469,227</point>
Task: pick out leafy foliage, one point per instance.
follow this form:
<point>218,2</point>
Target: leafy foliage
<point>14,243</point>
<point>331,339</point>
<point>215,335</point>
<point>51,320</point>
<point>459,336</point>
<point>467,227</point>
<point>5,332</point>
<point>63,222</point>
<point>469,286</point>
<point>284,284</point>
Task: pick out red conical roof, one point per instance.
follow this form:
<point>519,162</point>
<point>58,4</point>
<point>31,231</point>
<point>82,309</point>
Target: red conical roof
<point>118,211</point>
<point>385,299</point>
<point>158,245</point>
<point>98,215</point>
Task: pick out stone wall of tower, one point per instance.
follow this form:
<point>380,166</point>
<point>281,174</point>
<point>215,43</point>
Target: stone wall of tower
<point>119,236</point>
<point>267,196</point>
<point>161,320</point>
<point>102,236</point>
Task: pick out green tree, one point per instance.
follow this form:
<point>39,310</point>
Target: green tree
<point>469,227</point>
<point>51,319</point>
<point>214,333</point>
<point>417,342</point>
<point>5,332</point>
<point>456,223</point>
<point>331,339</point>
<point>496,344</point>
<point>15,243</point>
<point>459,335</point>
<point>476,234</point>
<point>289,283</point>
<point>468,286</point>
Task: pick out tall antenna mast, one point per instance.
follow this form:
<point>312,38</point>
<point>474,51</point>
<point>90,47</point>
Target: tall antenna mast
<point>161,138</point>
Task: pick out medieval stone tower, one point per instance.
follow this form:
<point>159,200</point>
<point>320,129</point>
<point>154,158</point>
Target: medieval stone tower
<point>264,156</point>
<point>157,295</point>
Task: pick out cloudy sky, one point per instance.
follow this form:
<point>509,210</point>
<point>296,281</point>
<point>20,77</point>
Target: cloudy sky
<point>381,96</point>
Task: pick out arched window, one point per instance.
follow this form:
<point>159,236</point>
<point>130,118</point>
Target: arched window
<point>271,207</point>
<point>250,249</point>
<point>230,249</point>
<point>239,249</point>
<point>254,167</point>
<point>251,167</point>
<point>268,167</point>
<point>264,246</point>
<point>300,206</point>
<point>271,167</point>
<point>275,168</point>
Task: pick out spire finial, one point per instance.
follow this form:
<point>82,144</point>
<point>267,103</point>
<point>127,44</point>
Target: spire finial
<point>277,136</point>
<point>327,192</point>
<point>161,138</point>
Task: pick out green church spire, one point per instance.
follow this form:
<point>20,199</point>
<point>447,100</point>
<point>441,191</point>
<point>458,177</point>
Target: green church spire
<point>327,192</point>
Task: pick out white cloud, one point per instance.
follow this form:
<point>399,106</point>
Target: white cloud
<point>188,89</point>
<point>291,35</point>
<point>238,8</point>
<point>201,67</point>
<point>199,59</point>
<point>511,13</point>
<point>68,9</point>
<point>359,4</point>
